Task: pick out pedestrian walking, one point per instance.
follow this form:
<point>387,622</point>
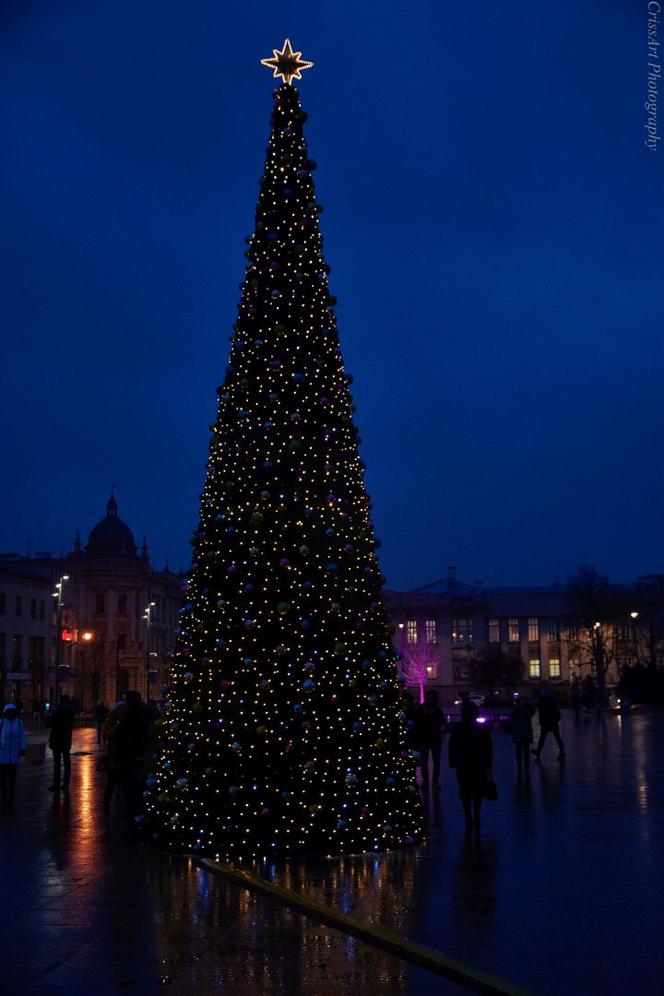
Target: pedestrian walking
<point>522,734</point>
<point>12,749</point>
<point>101,715</point>
<point>471,753</point>
<point>549,719</point>
<point>431,721</point>
<point>130,751</point>
<point>61,725</point>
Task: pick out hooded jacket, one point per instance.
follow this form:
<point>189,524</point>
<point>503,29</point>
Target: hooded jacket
<point>12,737</point>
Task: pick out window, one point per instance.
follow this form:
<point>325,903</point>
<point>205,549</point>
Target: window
<point>100,607</point>
<point>36,649</point>
<point>513,630</point>
<point>411,631</point>
<point>122,641</point>
<point>122,605</point>
<point>554,630</point>
<point>430,627</point>
<point>533,630</point>
<point>17,651</point>
<point>462,631</point>
<point>18,611</point>
<point>573,631</point>
<point>33,608</point>
<point>432,670</point>
<point>3,603</point>
<point>42,609</point>
<point>494,630</point>
<point>534,669</point>
<point>554,667</point>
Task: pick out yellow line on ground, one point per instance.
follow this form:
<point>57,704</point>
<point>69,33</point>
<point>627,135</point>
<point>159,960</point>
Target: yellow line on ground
<point>470,978</point>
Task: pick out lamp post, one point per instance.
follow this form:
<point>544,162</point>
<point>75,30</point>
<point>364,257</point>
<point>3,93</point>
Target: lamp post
<point>147,615</point>
<point>59,587</point>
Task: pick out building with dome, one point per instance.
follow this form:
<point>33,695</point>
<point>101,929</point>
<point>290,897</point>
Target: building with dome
<point>110,625</point>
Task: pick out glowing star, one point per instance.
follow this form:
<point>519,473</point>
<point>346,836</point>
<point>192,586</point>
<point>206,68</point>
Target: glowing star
<point>287,64</point>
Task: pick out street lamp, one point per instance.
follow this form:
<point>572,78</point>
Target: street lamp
<point>59,588</point>
<point>147,615</point>
<point>87,637</point>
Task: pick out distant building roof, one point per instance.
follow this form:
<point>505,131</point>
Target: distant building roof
<point>111,537</point>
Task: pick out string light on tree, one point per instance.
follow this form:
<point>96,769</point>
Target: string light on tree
<point>283,730</point>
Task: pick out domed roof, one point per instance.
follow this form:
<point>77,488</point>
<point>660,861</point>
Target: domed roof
<point>111,537</point>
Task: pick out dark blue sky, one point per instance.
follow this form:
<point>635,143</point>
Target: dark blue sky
<point>494,226</point>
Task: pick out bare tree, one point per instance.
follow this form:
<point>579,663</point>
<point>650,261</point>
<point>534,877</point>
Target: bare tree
<point>648,616</point>
<point>592,612</point>
<point>414,663</point>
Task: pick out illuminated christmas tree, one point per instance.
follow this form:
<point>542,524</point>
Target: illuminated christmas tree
<point>284,731</point>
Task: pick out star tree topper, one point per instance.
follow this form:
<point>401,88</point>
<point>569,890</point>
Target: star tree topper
<point>287,64</point>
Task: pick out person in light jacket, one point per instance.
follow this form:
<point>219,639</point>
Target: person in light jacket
<point>12,749</point>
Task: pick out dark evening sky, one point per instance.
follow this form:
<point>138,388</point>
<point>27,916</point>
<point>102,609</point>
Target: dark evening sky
<point>493,222</point>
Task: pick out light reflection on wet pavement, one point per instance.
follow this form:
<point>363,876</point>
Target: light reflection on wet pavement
<point>563,895</point>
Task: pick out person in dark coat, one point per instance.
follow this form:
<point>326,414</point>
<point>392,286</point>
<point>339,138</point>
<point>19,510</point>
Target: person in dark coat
<point>522,734</point>
<point>549,719</point>
<point>61,724</point>
<point>471,753</point>
<point>431,721</point>
<point>133,731</point>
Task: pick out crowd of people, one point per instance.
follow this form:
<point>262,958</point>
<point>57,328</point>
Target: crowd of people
<point>470,749</point>
<point>126,735</point>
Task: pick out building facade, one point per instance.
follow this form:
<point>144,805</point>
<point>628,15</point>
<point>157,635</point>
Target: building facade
<point>26,634</point>
<point>443,628</point>
<point>109,620</point>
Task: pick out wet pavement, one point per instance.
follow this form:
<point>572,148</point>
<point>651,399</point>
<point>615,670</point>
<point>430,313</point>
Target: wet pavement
<point>563,894</point>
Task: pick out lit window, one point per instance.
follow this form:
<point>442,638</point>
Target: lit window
<point>494,630</point>
<point>430,627</point>
<point>554,667</point>
<point>554,630</point>
<point>462,631</point>
<point>533,630</point>
<point>513,630</point>
<point>534,669</point>
<point>432,670</point>
<point>411,631</point>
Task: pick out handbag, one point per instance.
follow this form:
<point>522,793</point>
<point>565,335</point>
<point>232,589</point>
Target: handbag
<point>490,792</point>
